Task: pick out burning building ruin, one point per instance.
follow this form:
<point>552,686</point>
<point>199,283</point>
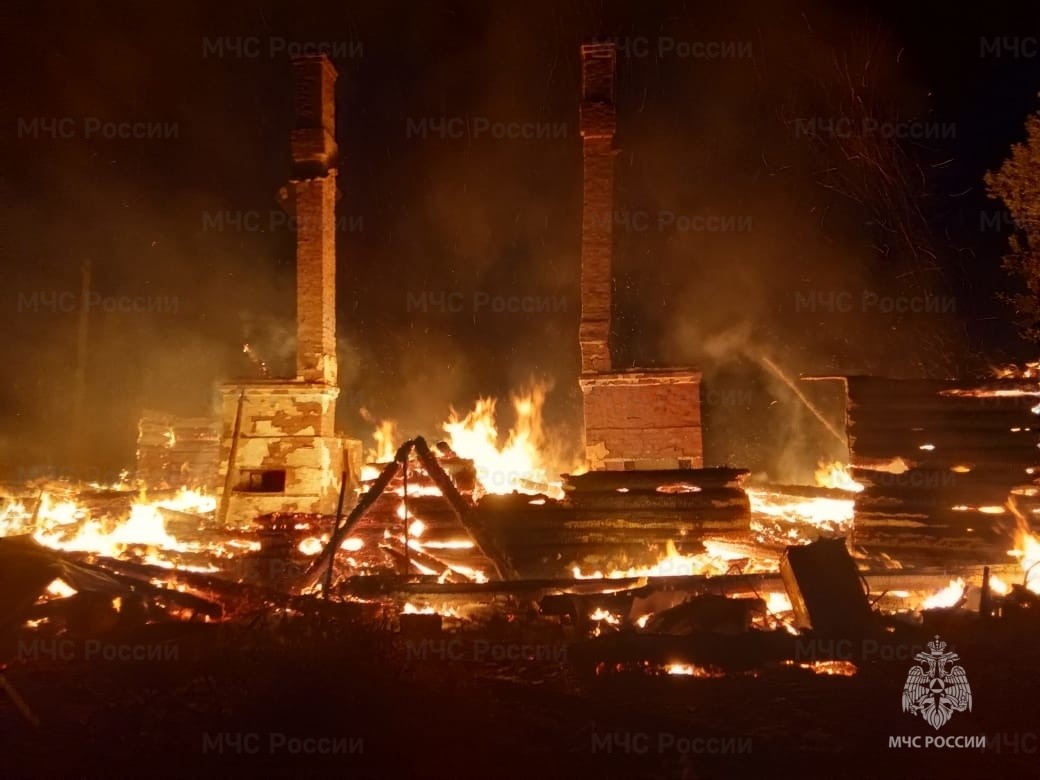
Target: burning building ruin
<point>642,562</point>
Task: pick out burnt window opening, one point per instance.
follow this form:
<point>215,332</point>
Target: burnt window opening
<point>265,481</point>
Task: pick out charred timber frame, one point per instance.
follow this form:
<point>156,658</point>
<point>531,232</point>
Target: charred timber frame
<point>940,461</point>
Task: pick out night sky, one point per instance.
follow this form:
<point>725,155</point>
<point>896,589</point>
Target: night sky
<point>188,228</point>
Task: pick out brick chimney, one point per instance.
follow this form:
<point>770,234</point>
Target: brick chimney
<point>315,155</point>
<point>598,123</point>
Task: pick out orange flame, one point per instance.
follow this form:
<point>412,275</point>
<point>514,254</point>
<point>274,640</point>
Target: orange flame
<point>836,475</point>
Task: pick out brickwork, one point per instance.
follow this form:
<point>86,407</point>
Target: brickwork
<point>286,455</point>
<point>643,419</point>
<point>598,125</point>
<point>315,155</point>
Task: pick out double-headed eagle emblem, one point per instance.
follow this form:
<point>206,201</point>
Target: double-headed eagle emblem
<point>933,691</point>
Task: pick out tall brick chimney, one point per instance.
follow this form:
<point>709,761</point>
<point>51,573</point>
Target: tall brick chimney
<point>313,183</point>
<point>279,450</point>
<point>634,418</point>
<point>598,123</point>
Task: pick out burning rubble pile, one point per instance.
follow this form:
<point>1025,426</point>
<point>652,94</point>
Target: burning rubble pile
<point>684,573</point>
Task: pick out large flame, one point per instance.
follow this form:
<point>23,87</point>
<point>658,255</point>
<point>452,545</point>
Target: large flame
<point>1027,550</point>
<point>516,465</point>
<point>950,596</point>
<point>386,438</point>
<point>836,475</point>
<point>826,512</point>
<point>524,462</point>
<point>67,525</point>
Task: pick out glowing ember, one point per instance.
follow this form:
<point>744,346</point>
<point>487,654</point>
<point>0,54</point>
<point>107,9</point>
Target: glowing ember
<point>60,589</point>
<point>450,544</point>
<point>986,510</point>
<point>1030,370</point>
<point>691,670</point>
<point>416,490</point>
<point>312,545</point>
<point>838,668</point>
<point>412,609</point>
<point>950,596</point>
<point>717,559</point>
<point>352,544</point>
<point>680,669</point>
<point>601,614</point>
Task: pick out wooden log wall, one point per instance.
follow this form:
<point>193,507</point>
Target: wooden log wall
<point>965,449</point>
<point>615,515</point>
<point>177,452</point>
<point>608,516</point>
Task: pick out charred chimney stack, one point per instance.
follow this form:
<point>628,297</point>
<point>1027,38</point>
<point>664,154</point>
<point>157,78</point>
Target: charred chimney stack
<point>313,188</point>
<point>635,419</point>
<point>598,124</point>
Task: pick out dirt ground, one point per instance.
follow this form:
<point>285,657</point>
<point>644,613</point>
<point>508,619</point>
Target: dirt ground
<point>309,699</point>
